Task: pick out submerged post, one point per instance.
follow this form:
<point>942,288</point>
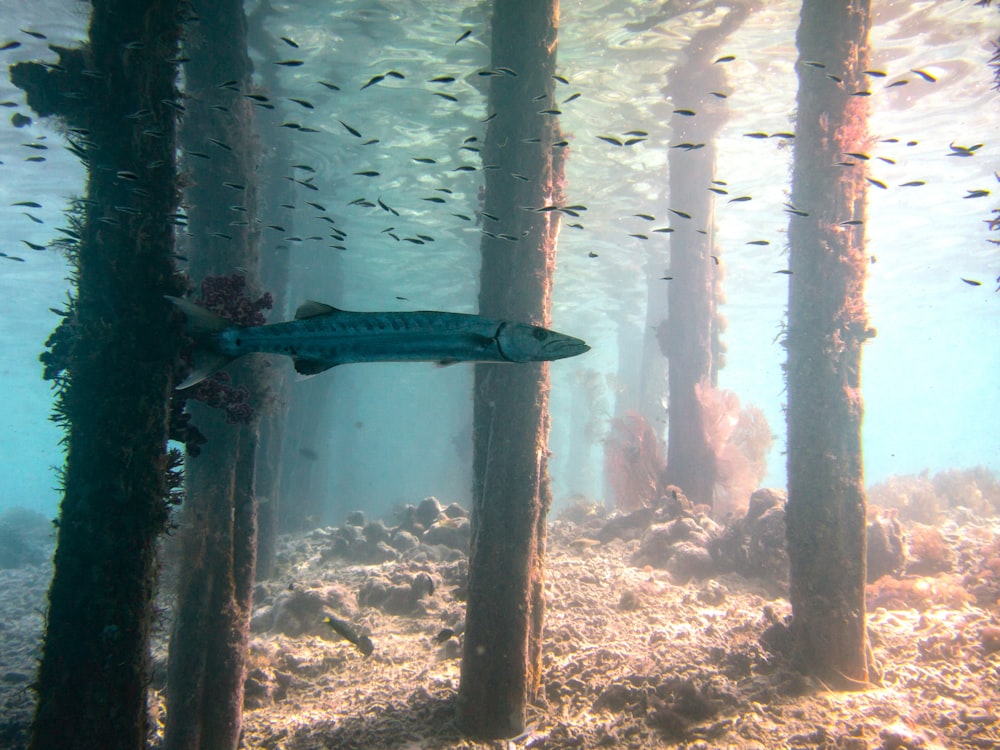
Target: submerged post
<point>827,324</point>
<point>501,661</point>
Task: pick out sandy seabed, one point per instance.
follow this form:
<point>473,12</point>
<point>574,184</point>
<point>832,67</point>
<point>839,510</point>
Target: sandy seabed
<point>632,657</point>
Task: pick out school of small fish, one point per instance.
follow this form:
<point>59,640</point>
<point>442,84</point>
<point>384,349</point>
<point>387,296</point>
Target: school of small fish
<point>440,175</point>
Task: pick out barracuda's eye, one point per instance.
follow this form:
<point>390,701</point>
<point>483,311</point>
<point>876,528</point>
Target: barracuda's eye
<point>540,333</point>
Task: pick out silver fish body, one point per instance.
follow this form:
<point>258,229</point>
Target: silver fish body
<point>322,336</point>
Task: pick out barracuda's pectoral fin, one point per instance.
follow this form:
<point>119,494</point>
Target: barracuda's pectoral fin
<point>311,366</point>
<point>312,309</point>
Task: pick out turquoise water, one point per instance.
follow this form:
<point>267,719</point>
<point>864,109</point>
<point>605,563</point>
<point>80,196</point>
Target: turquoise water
<point>930,377</point>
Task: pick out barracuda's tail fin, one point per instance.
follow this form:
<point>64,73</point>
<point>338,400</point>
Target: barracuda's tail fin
<point>202,326</point>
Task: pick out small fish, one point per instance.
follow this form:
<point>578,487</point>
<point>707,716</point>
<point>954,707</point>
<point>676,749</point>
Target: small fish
<point>913,183</point>
<point>814,64</point>
<point>877,183</point>
<point>894,84</point>
<point>342,628</point>
<point>331,86</point>
<point>395,74</point>
<point>9,45</point>
<point>289,42</point>
<point>972,282</point>
<point>682,214</point>
<point>757,134</point>
<point>445,635</point>
<point>741,199</point>
<point>442,79</point>
<point>725,59</point>
<point>290,63</point>
<point>592,254</point>
<point>33,218</point>
<point>372,81</point>
<point>647,217</point>
<point>875,73</point>
<point>784,271</point>
<point>663,230</point>
<point>33,246</point>
<point>446,97</point>
<point>759,242</point>
<point>548,111</point>
<point>640,236</point>
<point>572,98</point>
<point>386,207</point>
<point>610,139</point>
<point>685,112</point>
<point>851,223</point>
<point>464,35</point>
<point>368,173</point>
<point>857,155</point>
<point>27,204</point>
<point>715,259</point>
<point>35,34</point>
<point>719,95</point>
<point>302,102</point>
<point>349,129</point>
<point>976,193</point>
<point>924,74</point>
<point>863,92</point>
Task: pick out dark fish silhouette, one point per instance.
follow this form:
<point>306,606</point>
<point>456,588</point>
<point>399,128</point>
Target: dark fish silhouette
<point>361,642</point>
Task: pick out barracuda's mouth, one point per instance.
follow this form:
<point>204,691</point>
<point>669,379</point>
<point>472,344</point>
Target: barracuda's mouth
<point>561,347</point>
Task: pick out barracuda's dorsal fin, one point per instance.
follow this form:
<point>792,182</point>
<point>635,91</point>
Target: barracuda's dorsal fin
<point>312,309</point>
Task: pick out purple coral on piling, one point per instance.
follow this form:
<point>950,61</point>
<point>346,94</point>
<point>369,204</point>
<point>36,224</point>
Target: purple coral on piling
<point>219,393</point>
<point>228,296</point>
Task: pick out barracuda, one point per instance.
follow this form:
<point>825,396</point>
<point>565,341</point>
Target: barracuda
<point>322,337</point>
